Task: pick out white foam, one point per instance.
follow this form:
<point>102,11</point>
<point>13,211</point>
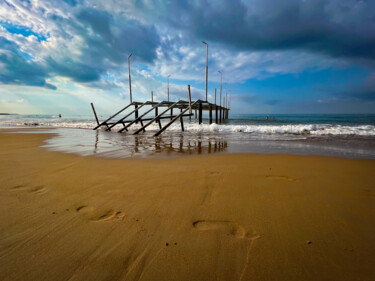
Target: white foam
<point>301,129</point>
<point>313,129</point>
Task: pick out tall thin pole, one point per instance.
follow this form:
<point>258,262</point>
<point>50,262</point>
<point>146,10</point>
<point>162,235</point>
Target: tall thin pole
<point>130,80</point>
<point>230,98</point>
<point>226,95</point>
<point>215,96</point>
<point>152,96</point>
<point>168,85</point>
<point>221,76</point>
<point>206,66</point>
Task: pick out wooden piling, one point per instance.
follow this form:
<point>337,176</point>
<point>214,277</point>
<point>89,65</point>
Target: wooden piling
<point>96,117</point>
<point>182,121</point>
<point>200,113</point>
<point>216,115</point>
<point>136,112</point>
<point>189,99</point>
<point>210,114</point>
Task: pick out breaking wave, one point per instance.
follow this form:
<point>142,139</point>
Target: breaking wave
<point>295,129</point>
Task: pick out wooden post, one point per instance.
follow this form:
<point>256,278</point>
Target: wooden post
<point>152,96</point>
<point>210,114</point>
<point>171,113</point>
<point>130,80</point>
<point>142,125</point>
<point>215,96</point>
<point>182,122</point>
<point>189,99</point>
<point>226,95</point>
<point>200,113</point>
<point>156,113</point>
<point>216,115</point>
<point>206,66</point>
<point>220,111</point>
<point>136,112</point>
<point>195,114</point>
<point>96,117</point>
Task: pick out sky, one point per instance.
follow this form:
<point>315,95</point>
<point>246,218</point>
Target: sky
<point>276,56</point>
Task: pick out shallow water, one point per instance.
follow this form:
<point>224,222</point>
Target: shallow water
<point>351,136</point>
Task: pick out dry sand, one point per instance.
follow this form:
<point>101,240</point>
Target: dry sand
<point>224,217</point>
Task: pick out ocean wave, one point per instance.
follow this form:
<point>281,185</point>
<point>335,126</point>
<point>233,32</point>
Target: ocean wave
<point>300,129</point>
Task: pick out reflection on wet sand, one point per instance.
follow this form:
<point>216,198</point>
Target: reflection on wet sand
<point>188,146</point>
<point>168,145</point>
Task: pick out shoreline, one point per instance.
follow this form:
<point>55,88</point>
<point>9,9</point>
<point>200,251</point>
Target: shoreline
<point>86,142</point>
<point>207,217</point>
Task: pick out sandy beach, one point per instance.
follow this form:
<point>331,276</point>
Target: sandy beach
<point>219,217</point>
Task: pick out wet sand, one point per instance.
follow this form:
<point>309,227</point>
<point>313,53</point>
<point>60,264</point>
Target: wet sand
<point>217,217</point>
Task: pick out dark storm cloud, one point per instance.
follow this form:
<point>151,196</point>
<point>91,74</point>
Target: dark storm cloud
<point>108,42</point>
<point>18,70</point>
<point>338,28</point>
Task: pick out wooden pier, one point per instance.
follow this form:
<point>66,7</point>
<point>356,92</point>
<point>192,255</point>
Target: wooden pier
<point>217,114</point>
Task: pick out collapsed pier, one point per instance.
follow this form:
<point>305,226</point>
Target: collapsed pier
<point>164,110</point>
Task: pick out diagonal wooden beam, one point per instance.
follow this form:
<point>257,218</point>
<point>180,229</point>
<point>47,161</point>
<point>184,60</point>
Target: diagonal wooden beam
<point>105,122</point>
<point>174,119</point>
<point>149,123</point>
<point>140,117</point>
<point>120,121</point>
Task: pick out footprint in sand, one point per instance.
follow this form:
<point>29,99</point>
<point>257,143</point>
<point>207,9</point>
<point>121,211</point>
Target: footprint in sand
<point>92,215</point>
<point>212,180</point>
<point>227,227</point>
<point>280,178</point>
<point>36,189</point>
<point>244,242</point>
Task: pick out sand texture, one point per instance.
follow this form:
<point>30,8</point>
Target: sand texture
<point>223,217</point>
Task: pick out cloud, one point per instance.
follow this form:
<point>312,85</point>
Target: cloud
<point>17,69</point>
<point>337,28</point>
<point>80,43</point>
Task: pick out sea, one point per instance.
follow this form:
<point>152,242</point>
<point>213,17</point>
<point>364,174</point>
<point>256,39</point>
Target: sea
<point>339,135</point>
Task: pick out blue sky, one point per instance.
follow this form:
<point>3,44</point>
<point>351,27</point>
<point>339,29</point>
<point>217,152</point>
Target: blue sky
<point>291,56</point>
